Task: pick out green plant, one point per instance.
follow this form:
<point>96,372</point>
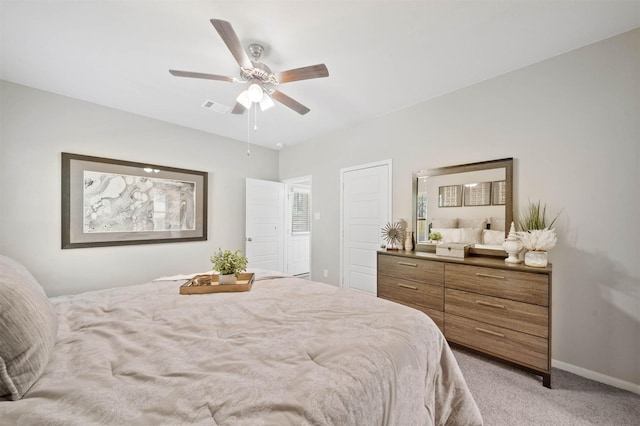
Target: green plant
<point>535,217</point>
<point>435,236</point>
<point>226,262</point>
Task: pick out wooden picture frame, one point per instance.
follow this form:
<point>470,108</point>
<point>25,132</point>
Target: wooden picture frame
<point>450,196</point>
<point>498,193</point>
<point>108,202</point>
<point>477,194</point>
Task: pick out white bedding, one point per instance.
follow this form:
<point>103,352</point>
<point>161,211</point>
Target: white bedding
<point>289,351</point>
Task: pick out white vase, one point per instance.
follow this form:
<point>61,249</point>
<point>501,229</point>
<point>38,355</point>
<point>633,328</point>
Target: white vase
<point>512,245</point>
<point>408,242</point>
<point>227,279</point>
<point>537,259</point>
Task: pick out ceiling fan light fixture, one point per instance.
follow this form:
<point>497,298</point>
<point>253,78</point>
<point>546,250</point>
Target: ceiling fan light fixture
<point>255,92</point>
<point>243,99</point>
<point>266,102</point>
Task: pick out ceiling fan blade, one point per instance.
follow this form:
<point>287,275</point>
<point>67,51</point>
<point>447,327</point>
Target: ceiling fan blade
<point>202,75</point>
<point>232,41</point>
<point>304,73</point>
<point>289,102</point>
<point>238,109</point>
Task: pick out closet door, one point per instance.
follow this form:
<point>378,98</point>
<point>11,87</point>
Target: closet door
<point>366,208</point>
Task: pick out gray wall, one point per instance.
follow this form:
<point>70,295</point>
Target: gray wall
<point>571,123</point>
<point>37,126</point>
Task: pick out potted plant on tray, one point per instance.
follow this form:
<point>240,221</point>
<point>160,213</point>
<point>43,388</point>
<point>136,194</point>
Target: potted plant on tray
<point>435,237</point>
<point>536,236</point>
<point>229,265</point>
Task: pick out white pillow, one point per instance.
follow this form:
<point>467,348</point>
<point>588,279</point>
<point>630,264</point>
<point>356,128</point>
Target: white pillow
<point>471,235</point>
<point>472,223</point>
<point>497,224</point>
<point>492,237</point>
<point>28,328</point>
<point>444,223</point>
<point>449,235</point>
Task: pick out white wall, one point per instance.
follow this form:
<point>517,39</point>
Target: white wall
<point>37,126</point>
<point>572,125</point>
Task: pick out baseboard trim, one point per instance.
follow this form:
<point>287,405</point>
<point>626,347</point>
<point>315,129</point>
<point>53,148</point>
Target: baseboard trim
<point>598,377</point>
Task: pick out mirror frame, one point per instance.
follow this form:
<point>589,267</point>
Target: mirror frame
<point>506,163</point>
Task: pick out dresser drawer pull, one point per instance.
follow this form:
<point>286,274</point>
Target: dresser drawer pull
<point>493,333</point>
<point>408,264</point>
<point>490,276</point>
<point>492,305</point>
<point>407,286</point>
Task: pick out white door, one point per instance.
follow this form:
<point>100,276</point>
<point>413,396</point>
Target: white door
<point>264,228</point>
<point>366,208</point>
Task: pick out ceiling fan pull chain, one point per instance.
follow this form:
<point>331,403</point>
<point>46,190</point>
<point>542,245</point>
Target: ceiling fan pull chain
<point>255,116</point>
<point>248,132</point>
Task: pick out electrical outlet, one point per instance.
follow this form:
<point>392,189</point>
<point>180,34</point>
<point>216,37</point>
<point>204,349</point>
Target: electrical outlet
<point>326,273</point>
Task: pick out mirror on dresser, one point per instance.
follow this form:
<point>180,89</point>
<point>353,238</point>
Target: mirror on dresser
<point>467,203</point>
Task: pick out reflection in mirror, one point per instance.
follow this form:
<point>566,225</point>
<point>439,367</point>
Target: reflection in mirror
<point>469,203</point>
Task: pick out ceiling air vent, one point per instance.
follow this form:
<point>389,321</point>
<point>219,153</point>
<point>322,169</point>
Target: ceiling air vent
<point>214,106</point>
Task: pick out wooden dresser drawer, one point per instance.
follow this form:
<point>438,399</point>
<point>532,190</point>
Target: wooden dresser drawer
<point>515,285</point>
<point>518,347</point>
<point>414,293</point>
<point>411,269</point>
<point>518,316</point>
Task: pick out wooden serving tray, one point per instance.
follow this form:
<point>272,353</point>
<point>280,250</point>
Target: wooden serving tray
<point>202,284</point>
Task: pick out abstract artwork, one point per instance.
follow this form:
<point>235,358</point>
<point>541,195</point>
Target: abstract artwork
<point>120,203</point>
<point>450,196</point>
<point>115,202</point>
<point>477,194</point>
<point>498,192</point>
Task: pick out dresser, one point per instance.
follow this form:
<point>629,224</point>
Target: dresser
<point>478,302</point>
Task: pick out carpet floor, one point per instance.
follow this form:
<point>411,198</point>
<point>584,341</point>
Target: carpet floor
<point>510,396</point>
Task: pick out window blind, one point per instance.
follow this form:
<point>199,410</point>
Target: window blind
<point>300,214</point>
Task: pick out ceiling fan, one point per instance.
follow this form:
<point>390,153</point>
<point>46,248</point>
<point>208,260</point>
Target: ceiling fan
<point>259,76</point>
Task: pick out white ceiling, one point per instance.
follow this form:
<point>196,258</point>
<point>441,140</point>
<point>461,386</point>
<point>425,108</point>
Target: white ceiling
<point>382,56</point>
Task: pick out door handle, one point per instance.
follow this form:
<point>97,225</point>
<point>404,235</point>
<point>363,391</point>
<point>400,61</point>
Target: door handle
<point>249,239</point>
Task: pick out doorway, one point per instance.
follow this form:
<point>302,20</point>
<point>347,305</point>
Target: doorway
<point>298,227</point>
<point>278,225</point>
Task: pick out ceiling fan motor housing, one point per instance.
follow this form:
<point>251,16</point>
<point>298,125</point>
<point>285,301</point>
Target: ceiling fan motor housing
<point>259,72</point>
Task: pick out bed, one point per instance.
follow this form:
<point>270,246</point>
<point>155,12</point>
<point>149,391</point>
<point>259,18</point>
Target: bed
<point>483,233</point>
<point>289,351</point>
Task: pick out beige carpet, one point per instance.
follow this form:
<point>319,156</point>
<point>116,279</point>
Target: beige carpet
<point>509,396</point>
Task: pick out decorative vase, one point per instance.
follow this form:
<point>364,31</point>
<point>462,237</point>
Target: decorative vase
<point>537,259</point>
<point>408,242</point>
<point>512,245</point>
<point>227,279</point>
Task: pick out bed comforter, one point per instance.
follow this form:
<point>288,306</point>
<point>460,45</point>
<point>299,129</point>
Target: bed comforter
<point>288,352</point>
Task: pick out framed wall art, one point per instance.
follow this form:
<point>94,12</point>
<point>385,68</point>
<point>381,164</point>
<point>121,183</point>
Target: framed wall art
<point>477,194</point>
<point>107,202</point>
<point>450,196</point>
<point>498,192</point>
